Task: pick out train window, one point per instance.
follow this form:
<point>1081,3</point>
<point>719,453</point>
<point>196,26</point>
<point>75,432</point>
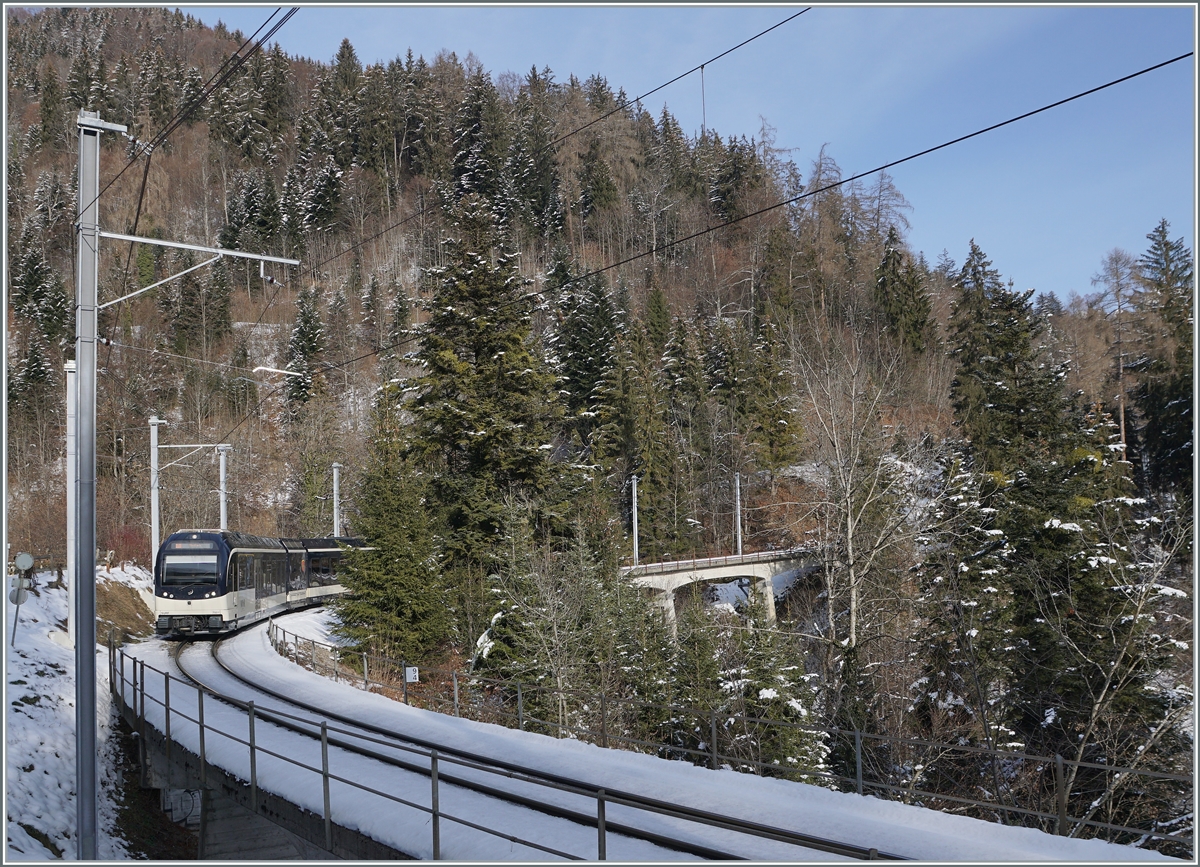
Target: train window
<point>296,580</point>
<point>189,569</point>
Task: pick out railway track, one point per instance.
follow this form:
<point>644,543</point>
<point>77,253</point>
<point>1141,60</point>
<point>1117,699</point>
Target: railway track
<point>200,662</point>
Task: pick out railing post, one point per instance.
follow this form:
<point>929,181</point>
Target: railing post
<point>253,764</point>
<point>437,828</point>
<point>858,760</point>
<point>404,678</point>
<point>603,723</point>
<point>200,718</point>
<point>520,708</point>
<point>366,680</point>
<point>454,675</point>
<point>167,727</point>
<point>1060,791</point>
<point>601,834</point>
<point>713,737</point>
<point>139,686</point>
<point>325,785</point>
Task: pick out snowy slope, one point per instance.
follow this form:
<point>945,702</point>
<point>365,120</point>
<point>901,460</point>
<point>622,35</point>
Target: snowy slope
<point>39,730</point>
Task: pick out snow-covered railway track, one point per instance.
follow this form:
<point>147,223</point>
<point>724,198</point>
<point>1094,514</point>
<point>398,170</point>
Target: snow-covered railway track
<point>204,668</point>
<point>672,830</point>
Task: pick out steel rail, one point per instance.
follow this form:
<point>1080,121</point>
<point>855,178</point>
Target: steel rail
<point>795,838</point>
<point>299,724</point>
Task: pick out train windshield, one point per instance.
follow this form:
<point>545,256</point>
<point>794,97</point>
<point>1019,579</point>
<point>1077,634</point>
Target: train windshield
<point>189,569</point>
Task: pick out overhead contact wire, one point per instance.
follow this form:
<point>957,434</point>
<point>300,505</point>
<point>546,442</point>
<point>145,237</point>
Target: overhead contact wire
<point>566,136</point>
<point>881,168</point>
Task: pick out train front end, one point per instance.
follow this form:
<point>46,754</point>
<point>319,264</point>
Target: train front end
<point>190,585</point>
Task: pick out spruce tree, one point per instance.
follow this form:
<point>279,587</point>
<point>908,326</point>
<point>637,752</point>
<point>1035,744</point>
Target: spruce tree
<point>307,343</point>
<point>1164,392</point>
<point>900,298</point>
<point>395,605</point>
<point>585,345</point>
<point>483,404</point>
<point>1008,401</point>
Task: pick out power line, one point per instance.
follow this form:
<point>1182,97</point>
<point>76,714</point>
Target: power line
<point>777,205</point>
<point>699,68</point>
<point>566,136</point>
<point>199,99</point>
<point>214,82</point>
<point>881,168</point>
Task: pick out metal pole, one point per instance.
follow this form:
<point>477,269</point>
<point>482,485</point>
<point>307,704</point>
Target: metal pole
<point>72,571</point>
<point>325,785</point>
<point>713,737</point>
<point>200,721</point>
<point>635,526</point>
<point>437,827</point>
<point>86,288</point>
<point>337,499</point>
<point>737,510</point>
<point>224,452</point>
<point>603,723</point>
<point>601,841</point>
<point>167,712</point>
<point>858,760</point>
<point>454,675</point>
<point>253,765</point>
<point>1060,787</point>
<point>520,709</point>
<point>155,421</point>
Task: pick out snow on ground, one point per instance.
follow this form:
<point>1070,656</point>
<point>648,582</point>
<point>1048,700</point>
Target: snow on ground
<point>39,730</point>
<point>865,821</point>
<point>40,764</point>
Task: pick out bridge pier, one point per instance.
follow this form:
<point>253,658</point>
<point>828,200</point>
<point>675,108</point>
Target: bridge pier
<point>763,591</point>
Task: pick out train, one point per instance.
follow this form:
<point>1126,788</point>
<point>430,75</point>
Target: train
<point>213,582</point>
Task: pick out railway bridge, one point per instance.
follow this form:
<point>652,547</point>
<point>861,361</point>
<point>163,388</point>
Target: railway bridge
<point>760,569</point>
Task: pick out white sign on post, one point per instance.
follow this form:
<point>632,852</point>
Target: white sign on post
<point>410,674</point>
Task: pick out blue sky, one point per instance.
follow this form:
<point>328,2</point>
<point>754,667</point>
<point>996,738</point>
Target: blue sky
<point>1045,198</point>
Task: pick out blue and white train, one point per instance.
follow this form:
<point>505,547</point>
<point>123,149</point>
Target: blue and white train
<point>210,582</point>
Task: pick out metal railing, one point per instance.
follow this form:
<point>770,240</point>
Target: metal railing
<point>1024,789</point>
<point>176,707</point>
<point>695,563</point>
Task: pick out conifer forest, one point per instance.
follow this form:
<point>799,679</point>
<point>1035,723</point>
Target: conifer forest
<point>514,298</point>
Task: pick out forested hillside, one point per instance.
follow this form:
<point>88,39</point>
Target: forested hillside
<point>518,292</point>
